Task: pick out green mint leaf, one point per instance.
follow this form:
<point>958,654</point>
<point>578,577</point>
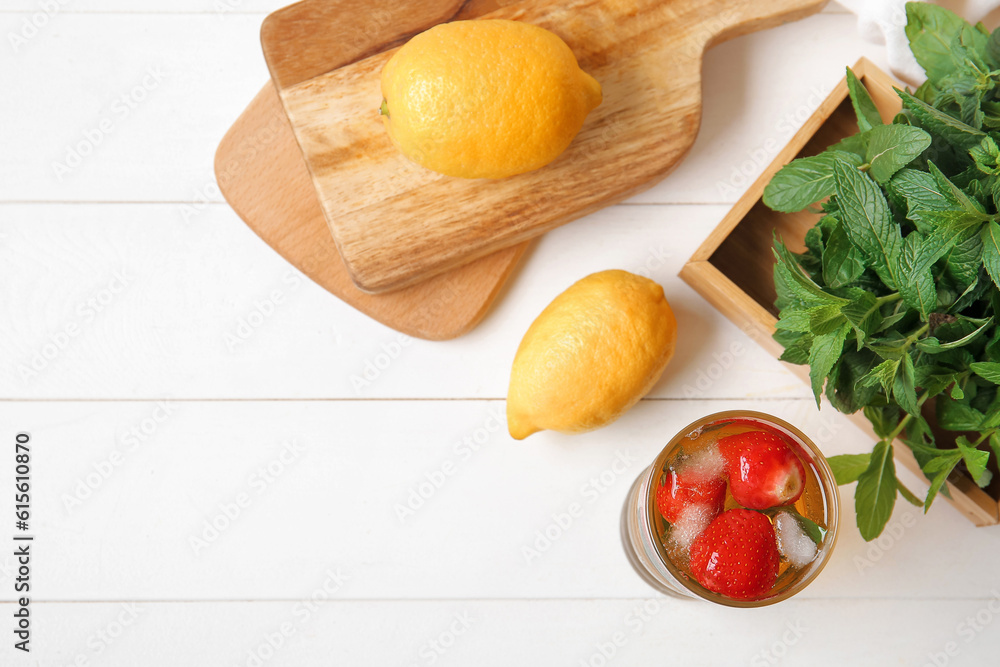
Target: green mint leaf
<point>876,493</point>
<point>933,384</point>
<point>904,386</point>
<point>922,444</point>
<point>815,531</point>
<point>843,263</point>
<point>975,460</point>
<point>974,40</point>
<point>856,144</point>
<point>993,346</point>
<point>937,470</point>
<point>826,319</point>
<point>892,345</point>
<point>987,370</point>
<point>990,236</point>
<point>797,352</point>
<point>916,283</point>
<point>962,262</point>
<point>970,295</point>
<point>968,338</point>
<point>931,31</point>
<point>930,345</point>
<point>956,392</point>
<point>994,441</point>
<point>795,319</point>
<point>786,338</point>
<point>990,409</point>
<point>892,320</point>
<point>962,224</point>
<point>884,419</point>
<point>915,190</point>
<point>864,107</point>
<point>826,350</point>
<point>864,316</point>
<point>920,438</point>
<point>815,235</point>
<point>847,396</point>
<point>956,416</point>
<point>805,181</point>
<point>892,147</point>
<point>926,92</point>
<point>938,123</point>
<point>970,112</point>
<point>993,51</point>
<point>884,374</point>
<point>796,282</point>
<point>848,467</point>
<point>954,194</point>
<point>908,495</point>
<point>867,221</point>
<point>785,289</point>
<point>985,154</point>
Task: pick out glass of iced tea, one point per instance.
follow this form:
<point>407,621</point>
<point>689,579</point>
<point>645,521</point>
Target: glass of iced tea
<point>740,508</point>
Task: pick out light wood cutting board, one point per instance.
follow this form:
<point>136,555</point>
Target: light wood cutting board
<point>396,223</point>
<point>261,173</point>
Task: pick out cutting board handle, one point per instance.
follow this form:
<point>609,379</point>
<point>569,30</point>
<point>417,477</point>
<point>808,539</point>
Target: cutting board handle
<point>742,17</point>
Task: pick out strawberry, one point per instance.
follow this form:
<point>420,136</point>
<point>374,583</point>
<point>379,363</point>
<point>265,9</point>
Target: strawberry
<point>737,555</point>
<point>763,470</point>
<point>685,488</point>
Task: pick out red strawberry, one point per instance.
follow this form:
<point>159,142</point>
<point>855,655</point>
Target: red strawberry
<point>686,488</point>
<point>763,470</point>
<point>737,555</point>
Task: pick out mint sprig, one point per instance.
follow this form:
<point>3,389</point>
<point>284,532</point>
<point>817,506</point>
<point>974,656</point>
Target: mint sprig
<point>893,304</point>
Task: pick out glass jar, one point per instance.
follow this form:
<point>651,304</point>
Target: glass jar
<point>642,527</point>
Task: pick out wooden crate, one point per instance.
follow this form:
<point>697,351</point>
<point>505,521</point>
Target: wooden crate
<point>733,268</point>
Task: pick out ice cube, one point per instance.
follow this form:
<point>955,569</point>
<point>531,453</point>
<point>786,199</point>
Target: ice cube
<point>794,544</point>
<point>706,463</point>
<point>692,521</point>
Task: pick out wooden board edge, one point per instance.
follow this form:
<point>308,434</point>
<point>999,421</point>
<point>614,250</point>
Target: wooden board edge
<point>268,27</point>
<point>750,17</point>
<point>382,30</point>
<point>470,324</point>
<point>226,147</point>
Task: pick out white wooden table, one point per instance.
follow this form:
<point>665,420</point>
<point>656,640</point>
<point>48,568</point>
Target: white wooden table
<point>202,502</point>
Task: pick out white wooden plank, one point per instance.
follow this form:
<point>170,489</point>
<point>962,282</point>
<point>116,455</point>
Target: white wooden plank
<point>410,499</point>
<point>195,313</point>
<point>560,632</point>
<point>71,77</point>
<point>186,6</point>
<point>123,107</point>
<point>221,7</point>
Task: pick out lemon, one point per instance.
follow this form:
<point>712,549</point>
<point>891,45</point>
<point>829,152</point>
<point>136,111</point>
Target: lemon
<point>485,99</point>
<point>594,351</point>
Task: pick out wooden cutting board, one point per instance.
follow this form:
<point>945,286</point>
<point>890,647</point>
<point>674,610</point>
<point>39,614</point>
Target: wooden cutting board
<point>261,173</point>
<point>397,223</point>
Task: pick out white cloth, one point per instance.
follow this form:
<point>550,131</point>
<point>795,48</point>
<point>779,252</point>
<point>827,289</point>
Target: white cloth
<point>883,22</point>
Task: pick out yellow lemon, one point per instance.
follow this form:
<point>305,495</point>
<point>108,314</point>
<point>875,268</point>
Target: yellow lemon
<point>485,99</point>
<point>594,351</point>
